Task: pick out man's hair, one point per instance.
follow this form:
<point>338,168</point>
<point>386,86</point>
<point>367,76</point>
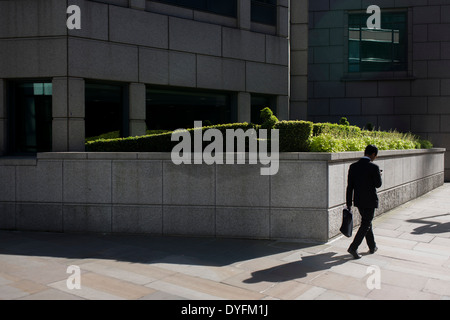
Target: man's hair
<point>371,149</point>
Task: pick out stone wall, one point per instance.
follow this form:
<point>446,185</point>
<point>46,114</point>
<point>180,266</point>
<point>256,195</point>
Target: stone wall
<point>146,193</point>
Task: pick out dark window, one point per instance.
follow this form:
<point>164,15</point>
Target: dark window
<point>374,50</point>
<point>222,7</point>
<point>106,110</point>
<point>31,115</point>
<point>170,109</point>
<point>260,102</point>
<point>264,11</point>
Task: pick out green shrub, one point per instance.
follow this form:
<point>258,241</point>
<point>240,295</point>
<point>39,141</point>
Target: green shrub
<point>337,130</point>
<point>425,144</point>
<point>344,121</point>
<point>294,135</point>
<point>156,142</point>
<point>329,143</point>
<point>109,135</point>
<point>151,143</point>
<point>268,119</point>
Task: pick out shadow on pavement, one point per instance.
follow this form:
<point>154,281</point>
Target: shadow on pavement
<point>298,269</point>
<point>430,226</point>
<point>141,248</point>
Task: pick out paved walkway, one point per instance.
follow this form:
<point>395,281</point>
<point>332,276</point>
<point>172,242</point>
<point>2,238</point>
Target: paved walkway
<point>413,262</point>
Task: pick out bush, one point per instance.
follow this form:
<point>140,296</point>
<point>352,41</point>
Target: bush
<point>344,121</point>
<point>424,144</point>
<point>336,130</point>
<point>156,142</point>
<point>330,143</point>
<point>109,135</point>
<point>268,119</point>
<point>294,135</point>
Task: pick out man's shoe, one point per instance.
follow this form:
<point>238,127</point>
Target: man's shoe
<point>354,253</point>
<point>372,251</point>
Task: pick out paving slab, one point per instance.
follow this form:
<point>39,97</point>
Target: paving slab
<point>413,262</point>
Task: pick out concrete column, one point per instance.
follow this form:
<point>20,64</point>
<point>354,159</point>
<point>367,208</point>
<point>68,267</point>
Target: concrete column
<point>283,18</point>
<point>68,104</point>
<point>282,108</point>
<point>298,60</point>
<point>244,100</point>
<point>137,4</point>
<point>3,130</point>
<point>137,101</point>
<point>244,14</point>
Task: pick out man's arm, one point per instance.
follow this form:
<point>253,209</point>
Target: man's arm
<point>377,177</point>
<point>350,188</point>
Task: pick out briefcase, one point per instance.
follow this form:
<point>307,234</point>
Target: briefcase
<point>347,223</point>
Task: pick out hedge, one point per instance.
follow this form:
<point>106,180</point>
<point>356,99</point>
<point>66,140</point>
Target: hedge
<point>336,129</point>
<point>156,142</point>
<point>295,136</point>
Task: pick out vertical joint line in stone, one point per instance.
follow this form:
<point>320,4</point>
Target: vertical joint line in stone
<point>109,17</point>
<point>15,197</point>
<point>111,198</point>
<point>62,195</point>
<point>215,199</point>
<point>162,197</point>
<point>270,206</point>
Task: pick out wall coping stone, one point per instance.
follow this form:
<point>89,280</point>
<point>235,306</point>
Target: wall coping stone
<point>320,156</point>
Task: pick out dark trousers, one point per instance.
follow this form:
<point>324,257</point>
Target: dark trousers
<point>365,229</point>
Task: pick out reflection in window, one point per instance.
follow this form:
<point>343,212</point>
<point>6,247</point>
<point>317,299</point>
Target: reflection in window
<point>105,111</point>
<point>264,11</point>
<point>31,114</point>
<point>382,49</point>
<point>171,109</point>
<point>222,7</point>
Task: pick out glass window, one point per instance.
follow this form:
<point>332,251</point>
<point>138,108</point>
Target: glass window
<point>222,7</point>
<point>260,102</point>
<point>169,109</point>
<point>264,11</point>
<point>377,50</point>
<point>31,115</point>
<point>106,111</point>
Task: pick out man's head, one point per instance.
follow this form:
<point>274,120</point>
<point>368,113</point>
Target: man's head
<point>371,152</point>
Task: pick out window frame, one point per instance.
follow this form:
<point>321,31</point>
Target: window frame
<point>12,116</point>
<point>124,129</point>
<point>178,4</point>
<point>231,101</point>
<point>380,75</point>
<point>268,5</point>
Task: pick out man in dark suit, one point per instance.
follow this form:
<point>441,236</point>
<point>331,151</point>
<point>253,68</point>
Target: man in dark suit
<point>364,177</point>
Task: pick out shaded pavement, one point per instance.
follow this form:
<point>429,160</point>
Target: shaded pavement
<point>413,262</point>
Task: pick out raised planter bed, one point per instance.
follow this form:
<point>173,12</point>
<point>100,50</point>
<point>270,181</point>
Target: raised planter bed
<point>145,193</point>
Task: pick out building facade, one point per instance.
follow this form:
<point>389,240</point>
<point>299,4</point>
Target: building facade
<point>136,65</point>
<point>397,77</point>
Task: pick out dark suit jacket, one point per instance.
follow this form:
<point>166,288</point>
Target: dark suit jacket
<point>363,178</point>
